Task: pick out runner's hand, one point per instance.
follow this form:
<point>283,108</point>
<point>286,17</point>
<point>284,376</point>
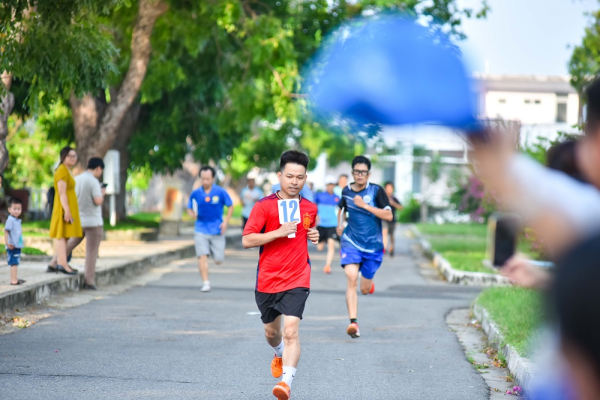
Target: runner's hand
<point>339,230</point>
<point>359,202</point>
<point>287,229</point>
<point>223,227</point>
<point>313,235</point>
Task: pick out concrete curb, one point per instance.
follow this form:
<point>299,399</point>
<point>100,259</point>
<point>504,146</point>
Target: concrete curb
<point>453,275</point>
<point>31,294</point>
<point>522,368</point>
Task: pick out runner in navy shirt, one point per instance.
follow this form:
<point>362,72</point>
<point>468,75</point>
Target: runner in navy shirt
<point>206,205</point>
<point>362,241</point>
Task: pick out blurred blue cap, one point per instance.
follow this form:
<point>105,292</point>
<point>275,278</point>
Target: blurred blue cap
<point>392,71</point>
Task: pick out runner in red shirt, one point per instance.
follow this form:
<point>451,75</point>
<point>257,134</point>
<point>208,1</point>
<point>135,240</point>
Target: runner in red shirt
<point>281,224</point>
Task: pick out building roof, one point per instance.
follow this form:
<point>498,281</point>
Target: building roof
<point>524,83</point>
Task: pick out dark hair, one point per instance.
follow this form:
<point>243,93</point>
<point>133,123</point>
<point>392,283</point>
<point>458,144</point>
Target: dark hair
<point>207,168</point>
<point>561,157</point>
<point>14,200</point>
<point>592,96</point>
<point>95,162</point>
<point>64,152</point>
<point>388,183</point>
<point>575,299</point>
<point>293,157</point>
<point>361,160</point>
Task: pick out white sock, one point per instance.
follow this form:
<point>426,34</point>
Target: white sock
<point>279,349</point>
<point>288,375</point>
<point>207,283</point>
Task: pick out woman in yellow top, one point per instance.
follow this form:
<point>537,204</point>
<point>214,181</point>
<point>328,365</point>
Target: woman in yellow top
<point>65,222</point>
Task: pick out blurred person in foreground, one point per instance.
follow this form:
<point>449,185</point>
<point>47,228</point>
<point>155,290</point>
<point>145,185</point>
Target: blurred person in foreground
<point>327,202</point>
<point>249,196</point>
<point>206,205</point>
<point>389,227</point>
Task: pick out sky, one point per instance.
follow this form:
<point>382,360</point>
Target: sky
<point>525,37</point>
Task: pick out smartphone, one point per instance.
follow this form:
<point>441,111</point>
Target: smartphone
<point>104,185</point>
<point>503,230</point>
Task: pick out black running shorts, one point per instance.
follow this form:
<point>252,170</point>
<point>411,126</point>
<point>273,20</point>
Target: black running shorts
<point>272,305</point>
<point>326,234</point>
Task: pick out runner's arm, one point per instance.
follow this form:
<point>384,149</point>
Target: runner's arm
<point>384,214</point>
<point>395,204</point>
<point>341,218</point>
<point>260,239</point>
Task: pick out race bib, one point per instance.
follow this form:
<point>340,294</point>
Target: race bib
<point>289,211</point>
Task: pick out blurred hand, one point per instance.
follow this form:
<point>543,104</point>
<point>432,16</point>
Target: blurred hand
<point>287,229</point>
<point>68,218</point>
<point>339,230</point>
<point>103,191</point>
<point>521,273</point>
<point>359,202</point>
<point>10,246</point>
<point>313,235</point>
<point>223,227</point>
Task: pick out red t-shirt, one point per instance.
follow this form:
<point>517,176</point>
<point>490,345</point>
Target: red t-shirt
<point>284,263</point>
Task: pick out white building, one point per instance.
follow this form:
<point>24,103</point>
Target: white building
<point>544,105</point>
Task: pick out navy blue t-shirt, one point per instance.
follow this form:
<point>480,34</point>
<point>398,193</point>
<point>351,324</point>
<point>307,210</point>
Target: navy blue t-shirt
<point>364,228</point>
<point>210,209</point>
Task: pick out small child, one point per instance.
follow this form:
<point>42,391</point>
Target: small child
<point>13,238</point>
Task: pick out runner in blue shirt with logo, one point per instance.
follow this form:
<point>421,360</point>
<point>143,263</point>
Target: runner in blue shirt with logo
<point>362,241</point>
<point>206,205</point>
<point>327,220</point>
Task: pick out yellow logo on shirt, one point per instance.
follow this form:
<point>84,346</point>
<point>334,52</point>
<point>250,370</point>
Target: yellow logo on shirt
<point>215,199</point>
<point>306,221</point>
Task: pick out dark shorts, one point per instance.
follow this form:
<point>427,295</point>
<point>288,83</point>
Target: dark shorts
<point>13,256</point>
<point>272,305</point>
<point>390,225</point>
<point>326,234</point>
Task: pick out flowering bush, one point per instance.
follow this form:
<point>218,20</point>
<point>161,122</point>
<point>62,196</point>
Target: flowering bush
<point>470,197</point>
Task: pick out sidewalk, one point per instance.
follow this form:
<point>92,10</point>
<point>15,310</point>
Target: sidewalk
<point>117,261</point>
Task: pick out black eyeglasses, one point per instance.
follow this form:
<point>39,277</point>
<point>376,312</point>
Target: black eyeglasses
<point>359,173</point>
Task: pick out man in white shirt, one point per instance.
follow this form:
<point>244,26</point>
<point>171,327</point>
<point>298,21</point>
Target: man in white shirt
<point>90,196</point>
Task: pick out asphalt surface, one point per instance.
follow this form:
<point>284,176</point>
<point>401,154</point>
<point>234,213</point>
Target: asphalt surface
<point>168,340</point>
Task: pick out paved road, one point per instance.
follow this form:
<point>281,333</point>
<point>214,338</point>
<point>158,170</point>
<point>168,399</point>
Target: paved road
<point>169,341</point>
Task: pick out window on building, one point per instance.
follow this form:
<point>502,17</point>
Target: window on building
<point>416,178</point>
<point>502,101</point>
<point>561,107</point>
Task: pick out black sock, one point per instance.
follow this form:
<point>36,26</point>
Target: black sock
<point>353,320</point>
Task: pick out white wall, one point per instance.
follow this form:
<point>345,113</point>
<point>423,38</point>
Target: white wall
<point>515,107</point>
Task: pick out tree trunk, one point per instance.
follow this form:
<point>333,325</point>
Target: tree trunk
<point>96,122</point>
<point>7,103</point>
<point>126,131</point>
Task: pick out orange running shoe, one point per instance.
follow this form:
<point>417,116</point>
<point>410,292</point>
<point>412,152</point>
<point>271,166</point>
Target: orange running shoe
<point>372,288</point>
<point>353,330</point>
<point>282,391</point>
<point>327,269</point>
<point>277,367</point>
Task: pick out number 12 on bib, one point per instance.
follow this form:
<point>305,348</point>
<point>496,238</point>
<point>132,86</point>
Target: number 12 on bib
<point>289,211</point>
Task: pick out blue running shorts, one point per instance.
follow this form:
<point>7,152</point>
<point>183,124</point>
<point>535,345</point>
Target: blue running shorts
<point>368,263</point>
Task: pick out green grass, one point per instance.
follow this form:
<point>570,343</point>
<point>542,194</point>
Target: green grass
<point>470,262</point>
<point>478,230</point>
<point>25,250</point>
<point>517,312</point>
